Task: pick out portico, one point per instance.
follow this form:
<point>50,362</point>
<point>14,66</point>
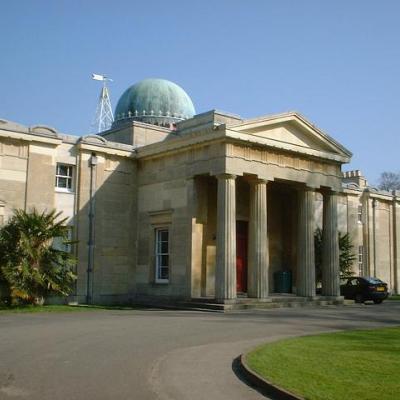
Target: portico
<point>258,216</point>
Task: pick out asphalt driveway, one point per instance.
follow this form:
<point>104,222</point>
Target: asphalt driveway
<point>153,354</point>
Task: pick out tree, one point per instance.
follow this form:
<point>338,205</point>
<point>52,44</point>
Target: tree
<point>318,254</point>
<point>4,290</point>
<point>29,263</point>
<point>389,181</point>
<point>346,254</point>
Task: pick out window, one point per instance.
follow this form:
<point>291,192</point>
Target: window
<point>360,213</point>
<point>360,260</point>
<point>62,244</point>
<point>352,282</point>
<point>64,177</point>
<point>374,281</point>
<point>162,255</point>
<point>2,207</point>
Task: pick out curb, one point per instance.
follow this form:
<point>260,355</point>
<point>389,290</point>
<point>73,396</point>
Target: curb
<point>271,390</point>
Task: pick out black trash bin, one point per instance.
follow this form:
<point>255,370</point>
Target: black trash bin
<point>283,282</point>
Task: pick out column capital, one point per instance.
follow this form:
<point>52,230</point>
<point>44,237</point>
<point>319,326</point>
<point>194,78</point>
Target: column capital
<point>329,192</point>
<point>305,188</point>
<point>225,176</point>
<point>257,181</point>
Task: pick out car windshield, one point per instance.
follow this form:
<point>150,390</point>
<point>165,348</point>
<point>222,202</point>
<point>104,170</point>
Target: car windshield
<point>369,279</point>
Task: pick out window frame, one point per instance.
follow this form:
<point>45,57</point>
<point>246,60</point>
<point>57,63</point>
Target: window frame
<point>361,260</point>
<point>360,214</point>
<point>69,178</point>
<point>58,244</point>
<point>158,254</point>
<point>2,213</point>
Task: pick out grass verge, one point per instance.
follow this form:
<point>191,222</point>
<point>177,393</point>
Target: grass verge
<point>394,297</point>
<point>60,308</point>
<point>336,366</point>
<point>49,308</point>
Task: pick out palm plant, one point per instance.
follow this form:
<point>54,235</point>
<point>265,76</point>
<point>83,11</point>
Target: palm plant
<point>29,263</point>
<point>346,254</point>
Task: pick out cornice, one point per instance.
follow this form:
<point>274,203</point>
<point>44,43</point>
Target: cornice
<point>287,147</point>
<point>30,137</point>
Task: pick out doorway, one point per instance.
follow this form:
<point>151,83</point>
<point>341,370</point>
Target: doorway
<point>241,256</point>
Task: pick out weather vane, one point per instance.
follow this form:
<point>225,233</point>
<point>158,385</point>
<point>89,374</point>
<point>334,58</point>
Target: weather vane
<point>104,116</point>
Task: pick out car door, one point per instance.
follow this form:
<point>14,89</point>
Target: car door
<point>352,288</point>
<point>359,287</point>
<point>346,288</point>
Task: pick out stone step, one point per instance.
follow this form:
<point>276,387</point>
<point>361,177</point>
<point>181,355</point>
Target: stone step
<point>249,305</point>
<point>242,304</point>
<point>248,300</point>
<point>288,299</point>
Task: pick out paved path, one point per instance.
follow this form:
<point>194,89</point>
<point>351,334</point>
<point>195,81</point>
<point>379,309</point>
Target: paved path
<point>152,354</point>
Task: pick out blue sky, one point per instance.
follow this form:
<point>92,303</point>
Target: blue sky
<point>336,62</point>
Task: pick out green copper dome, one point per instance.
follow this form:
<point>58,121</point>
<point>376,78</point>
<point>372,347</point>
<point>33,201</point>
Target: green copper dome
<point>154,101</point>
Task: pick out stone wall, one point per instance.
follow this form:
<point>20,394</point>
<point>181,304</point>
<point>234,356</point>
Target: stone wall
<point>163,201</point>
<point>13,175</point>
<point>114,223</point>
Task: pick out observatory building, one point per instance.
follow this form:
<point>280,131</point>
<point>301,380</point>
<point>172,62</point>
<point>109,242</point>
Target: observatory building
<point>173,206</point>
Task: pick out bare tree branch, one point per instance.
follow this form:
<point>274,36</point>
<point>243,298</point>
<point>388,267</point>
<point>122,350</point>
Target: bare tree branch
<point>389,181</point>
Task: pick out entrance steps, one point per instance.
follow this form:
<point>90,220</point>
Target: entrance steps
<point>274,301</point>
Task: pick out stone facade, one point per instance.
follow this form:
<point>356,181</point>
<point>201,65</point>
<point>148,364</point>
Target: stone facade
<point>210,209</point>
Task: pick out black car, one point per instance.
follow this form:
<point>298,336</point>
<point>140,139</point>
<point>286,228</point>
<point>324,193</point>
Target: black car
<point>362,288</point>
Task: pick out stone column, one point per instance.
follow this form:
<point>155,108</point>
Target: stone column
<point>258,241</point>
<point>330,247</point>
<point>305,244</point>
<point>225,274</point>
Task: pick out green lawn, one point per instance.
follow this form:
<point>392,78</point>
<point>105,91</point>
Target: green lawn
<point>394,297</point>
<point>61,308</point>
<point>336,366</point>
<point>36,309</point>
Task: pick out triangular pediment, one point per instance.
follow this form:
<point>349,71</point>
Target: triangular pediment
<point>291,132</point>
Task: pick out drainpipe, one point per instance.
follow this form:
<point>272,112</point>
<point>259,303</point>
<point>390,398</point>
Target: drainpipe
<point>91,239</point>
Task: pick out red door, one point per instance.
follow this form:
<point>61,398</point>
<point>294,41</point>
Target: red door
<point>241,256</point>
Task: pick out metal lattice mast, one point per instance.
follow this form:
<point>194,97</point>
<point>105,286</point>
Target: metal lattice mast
<point>104,116</point>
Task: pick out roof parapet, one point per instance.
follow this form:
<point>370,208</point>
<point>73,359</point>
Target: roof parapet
<point>355,177</point>
<point>352,174</point>
<point>93,139</point>
<point>43,130</point>
<point>207,119</point>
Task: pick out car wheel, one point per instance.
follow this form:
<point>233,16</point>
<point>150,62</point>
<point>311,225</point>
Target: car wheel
<point>359,298</point>
<point>378,301</point>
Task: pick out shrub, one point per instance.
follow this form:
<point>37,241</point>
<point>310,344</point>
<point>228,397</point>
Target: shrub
<point>29,264</point>
<point>346,254</point>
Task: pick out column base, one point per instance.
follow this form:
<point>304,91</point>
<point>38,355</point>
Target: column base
<point>333,298</point>
<point>242,300</point>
